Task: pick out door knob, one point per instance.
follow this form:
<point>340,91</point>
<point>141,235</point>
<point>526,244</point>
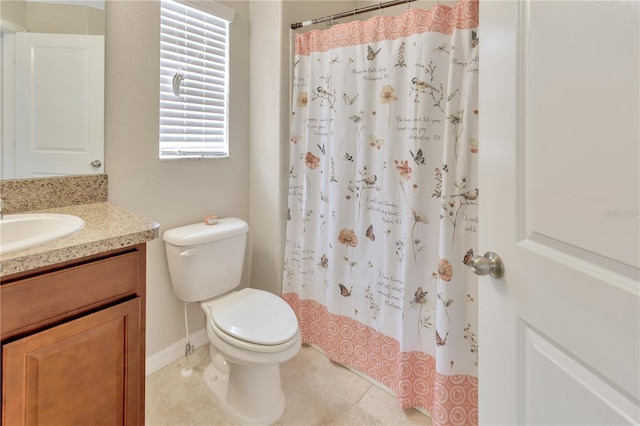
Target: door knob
<point>96,163</point>
<point>490,264</point>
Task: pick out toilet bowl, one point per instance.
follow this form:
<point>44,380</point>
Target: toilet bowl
<point>251,331</point>
<point>251,334</point>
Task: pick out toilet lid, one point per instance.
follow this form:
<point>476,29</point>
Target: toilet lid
<point>255,316</point>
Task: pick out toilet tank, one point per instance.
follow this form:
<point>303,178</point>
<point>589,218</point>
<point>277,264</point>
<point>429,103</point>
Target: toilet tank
<point>206,260</point>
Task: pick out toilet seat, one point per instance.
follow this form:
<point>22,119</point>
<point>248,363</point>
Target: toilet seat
<point>253,317</point>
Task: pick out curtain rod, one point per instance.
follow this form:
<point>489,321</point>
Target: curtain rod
<point>353,12</point>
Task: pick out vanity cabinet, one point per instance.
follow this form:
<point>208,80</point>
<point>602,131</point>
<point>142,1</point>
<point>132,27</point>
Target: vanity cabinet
<point>73,342</point>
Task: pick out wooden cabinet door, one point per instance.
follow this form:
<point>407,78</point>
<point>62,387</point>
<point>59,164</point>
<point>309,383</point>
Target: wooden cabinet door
<point>83,372</point>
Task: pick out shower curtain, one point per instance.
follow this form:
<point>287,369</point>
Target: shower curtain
<point>383,198</point>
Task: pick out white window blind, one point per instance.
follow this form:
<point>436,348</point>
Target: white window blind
<point>194,75</point>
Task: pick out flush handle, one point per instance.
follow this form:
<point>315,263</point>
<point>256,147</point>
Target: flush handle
<point>189,252</point>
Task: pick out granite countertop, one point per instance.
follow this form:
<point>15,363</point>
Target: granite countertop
<point>107,227</point>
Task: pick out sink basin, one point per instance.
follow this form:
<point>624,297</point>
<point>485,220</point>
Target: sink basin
<point>23,231</point>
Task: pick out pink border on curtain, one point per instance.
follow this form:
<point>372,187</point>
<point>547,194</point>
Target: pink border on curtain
<point>451,400</point>
<point>440,18</point>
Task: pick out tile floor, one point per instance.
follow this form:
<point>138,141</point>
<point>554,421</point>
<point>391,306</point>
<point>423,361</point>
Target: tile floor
<point>317,391</point>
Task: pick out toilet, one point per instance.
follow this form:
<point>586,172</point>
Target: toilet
<point>251,332</point>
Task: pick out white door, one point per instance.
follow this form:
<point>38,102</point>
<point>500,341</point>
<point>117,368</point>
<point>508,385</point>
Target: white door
<point>59,104</point>
<point>559,158</point>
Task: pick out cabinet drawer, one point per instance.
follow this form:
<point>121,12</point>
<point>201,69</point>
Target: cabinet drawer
<point>50,297</point>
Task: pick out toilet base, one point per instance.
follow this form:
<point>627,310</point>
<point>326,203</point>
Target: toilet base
<point>248,395</point>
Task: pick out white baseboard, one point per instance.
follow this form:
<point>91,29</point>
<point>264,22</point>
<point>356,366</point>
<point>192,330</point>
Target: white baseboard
<point>175,351</point>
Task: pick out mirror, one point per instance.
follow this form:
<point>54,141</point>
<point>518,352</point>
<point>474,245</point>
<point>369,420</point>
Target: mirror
<point>52,88</point>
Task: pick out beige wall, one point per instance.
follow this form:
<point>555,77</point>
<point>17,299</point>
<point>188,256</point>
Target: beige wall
<point>177,192</point>
<point>251,184</point>
<point>270,73</point>
<point>53,18</point>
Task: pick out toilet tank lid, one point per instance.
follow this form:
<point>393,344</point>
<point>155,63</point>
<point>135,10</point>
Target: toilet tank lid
<point>199,233</point>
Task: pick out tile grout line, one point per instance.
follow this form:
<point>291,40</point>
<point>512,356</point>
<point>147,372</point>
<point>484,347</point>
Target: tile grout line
<point>364,394</point>
<point>370,380</point>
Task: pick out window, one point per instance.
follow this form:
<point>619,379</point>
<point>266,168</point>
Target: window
<point>194,80</point>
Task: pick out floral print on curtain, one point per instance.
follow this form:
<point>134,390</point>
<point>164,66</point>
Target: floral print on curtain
<point>383,198</point>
